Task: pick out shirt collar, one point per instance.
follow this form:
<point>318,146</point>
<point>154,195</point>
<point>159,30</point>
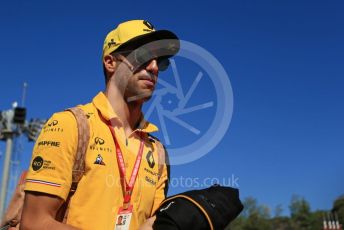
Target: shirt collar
<point>104,107</point>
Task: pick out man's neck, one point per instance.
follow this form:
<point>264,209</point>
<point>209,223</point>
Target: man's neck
<point>128,112</point>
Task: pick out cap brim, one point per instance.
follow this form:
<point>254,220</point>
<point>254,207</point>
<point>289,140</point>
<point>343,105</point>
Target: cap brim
<point>163,40</point>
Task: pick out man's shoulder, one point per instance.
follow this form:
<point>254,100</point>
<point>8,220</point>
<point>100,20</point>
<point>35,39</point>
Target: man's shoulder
<point>66,119</point>
<point>160,146</point>
<point>60,118</point>
<point>154,139</point>
<point>89,109</point>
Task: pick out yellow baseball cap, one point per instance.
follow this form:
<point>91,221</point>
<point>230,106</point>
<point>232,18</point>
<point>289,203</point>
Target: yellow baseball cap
<point>135,33</point>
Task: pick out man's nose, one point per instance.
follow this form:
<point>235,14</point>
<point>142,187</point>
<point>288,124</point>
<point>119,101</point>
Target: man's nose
<point>153,67</point>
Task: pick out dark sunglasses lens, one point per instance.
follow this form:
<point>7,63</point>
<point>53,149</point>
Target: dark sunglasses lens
<point>142,56</point>
<point>163,64</point>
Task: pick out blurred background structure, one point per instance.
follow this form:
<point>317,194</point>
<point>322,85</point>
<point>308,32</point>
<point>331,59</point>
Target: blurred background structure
<point>13,126</point>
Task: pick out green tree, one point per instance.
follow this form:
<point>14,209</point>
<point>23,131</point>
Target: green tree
<point>338,208</point>
<point>278,210</point>
<point>281,223</point>
<point>253,217</point>
<point>316,219</point>
<point>257,217</point>
<point>300,213</point>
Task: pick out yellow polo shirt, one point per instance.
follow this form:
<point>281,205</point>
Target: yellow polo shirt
<point>99,194</point>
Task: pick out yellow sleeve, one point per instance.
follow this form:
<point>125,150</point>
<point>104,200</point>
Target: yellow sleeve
<point>161,190</point>
<point>53,156</point>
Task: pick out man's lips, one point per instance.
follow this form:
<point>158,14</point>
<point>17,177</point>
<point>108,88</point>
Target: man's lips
<point>148,82</point>
<point>148,79</point>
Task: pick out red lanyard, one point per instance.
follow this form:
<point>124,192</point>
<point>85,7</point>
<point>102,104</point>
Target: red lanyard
<point>129,187</point>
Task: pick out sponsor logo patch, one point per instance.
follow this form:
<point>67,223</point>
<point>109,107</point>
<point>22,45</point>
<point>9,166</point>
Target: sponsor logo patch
<point>111,43</point>
<point>103,149</point>
<point>52,126</point>
<point>99,145</point>
<point>47,165</point>
<point>37,163</point>
<point>151,172</point>
<point>53,123</point>
<point>150,159</point>
<point>166,206</point>
<point>150,180</point>
<point>99,141</point>
<point>149,26</point>
<point>49,143</point>
<point>99,160</point>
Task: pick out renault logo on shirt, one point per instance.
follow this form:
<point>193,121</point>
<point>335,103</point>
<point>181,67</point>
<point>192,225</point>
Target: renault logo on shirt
<point>99,141</point>
<point>150,159</point>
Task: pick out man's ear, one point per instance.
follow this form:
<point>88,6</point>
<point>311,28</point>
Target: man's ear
<point>109,64</point>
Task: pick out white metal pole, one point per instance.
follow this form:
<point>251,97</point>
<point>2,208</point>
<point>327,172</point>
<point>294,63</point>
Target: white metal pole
<point>9,143</point>
<point>24,94</point>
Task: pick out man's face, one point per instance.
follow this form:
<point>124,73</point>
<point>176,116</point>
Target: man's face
<point>138,82</point>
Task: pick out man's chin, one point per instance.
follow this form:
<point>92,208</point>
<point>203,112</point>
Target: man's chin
<point>144,96</point>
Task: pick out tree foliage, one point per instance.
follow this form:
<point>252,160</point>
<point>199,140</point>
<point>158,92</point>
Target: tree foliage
<point>338,208</point>
<point>258,217</point>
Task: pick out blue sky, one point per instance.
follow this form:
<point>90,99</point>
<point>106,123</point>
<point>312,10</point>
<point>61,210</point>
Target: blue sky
<point>284,60</point>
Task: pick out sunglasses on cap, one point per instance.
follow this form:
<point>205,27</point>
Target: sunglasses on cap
<point>142,56</point>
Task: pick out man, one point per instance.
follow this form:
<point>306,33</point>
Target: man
<point>116,181</point>
<point>13,213</point>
